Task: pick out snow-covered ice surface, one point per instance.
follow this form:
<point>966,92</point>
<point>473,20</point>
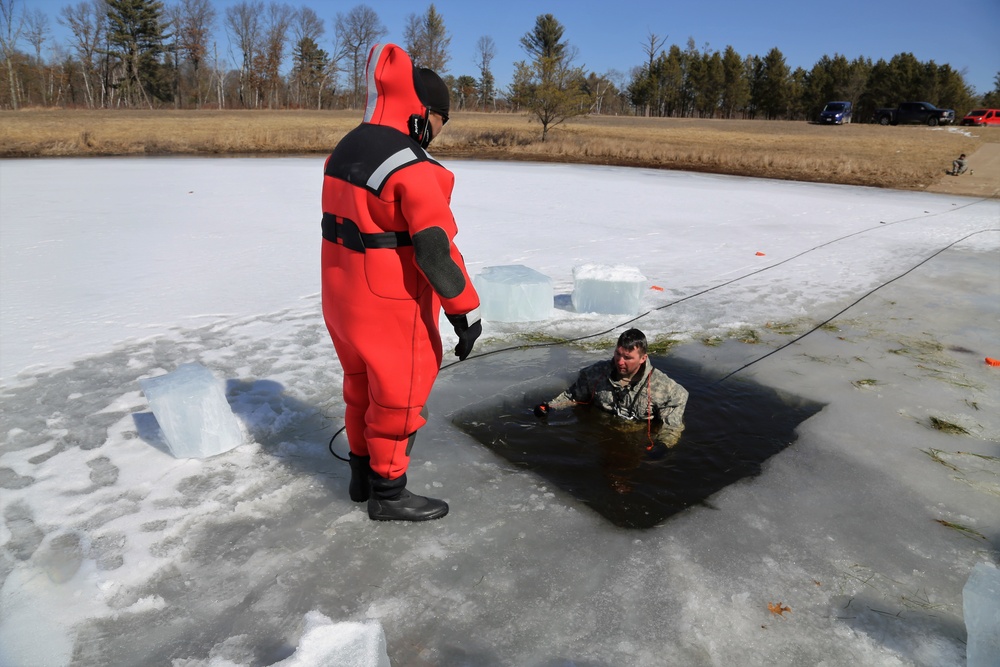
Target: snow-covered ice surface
<point>866,527</point>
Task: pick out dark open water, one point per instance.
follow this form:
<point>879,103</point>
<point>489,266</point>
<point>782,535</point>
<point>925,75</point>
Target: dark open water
<point>731,429</point>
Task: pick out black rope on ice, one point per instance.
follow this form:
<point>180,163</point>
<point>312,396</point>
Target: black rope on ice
<point>334,437</point>
<point>848,307</point>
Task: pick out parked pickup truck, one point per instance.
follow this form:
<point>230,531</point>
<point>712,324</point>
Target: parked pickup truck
<point>924,113</point>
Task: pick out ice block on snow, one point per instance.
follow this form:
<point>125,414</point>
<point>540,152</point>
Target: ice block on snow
<point>614,290</point>
<point>513,293</point>
<point>191,408</point>
<point>981,606</point>
<point>347,643</point>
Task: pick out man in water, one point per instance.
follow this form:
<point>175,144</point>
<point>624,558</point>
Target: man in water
<point>629,387</point>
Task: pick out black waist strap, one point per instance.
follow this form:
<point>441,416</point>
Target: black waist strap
<point>351,237</point>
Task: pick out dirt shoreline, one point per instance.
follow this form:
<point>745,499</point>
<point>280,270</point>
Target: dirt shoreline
<point>903,158</point>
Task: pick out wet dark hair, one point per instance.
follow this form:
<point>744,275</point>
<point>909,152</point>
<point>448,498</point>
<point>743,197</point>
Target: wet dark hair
<point>633,339</point>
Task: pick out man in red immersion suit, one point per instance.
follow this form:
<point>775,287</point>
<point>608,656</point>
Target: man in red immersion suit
<point>389,266</point>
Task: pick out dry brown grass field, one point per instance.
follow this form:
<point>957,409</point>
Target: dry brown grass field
<point>910,158</point>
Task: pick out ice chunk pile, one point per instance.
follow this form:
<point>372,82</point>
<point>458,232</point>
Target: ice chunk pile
<point>327,643</point>
<point>981,606</point>
<point>614,290</point>
<point>514,293</point>
<point>191,408</point>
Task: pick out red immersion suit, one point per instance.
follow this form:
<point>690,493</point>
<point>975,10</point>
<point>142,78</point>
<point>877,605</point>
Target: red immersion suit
<point>389,264</point>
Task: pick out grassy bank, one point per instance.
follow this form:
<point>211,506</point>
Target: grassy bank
<point>860,154</point>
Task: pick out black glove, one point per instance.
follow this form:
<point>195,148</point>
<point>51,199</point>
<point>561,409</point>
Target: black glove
<point>467,333</point>
<point>542,410</point>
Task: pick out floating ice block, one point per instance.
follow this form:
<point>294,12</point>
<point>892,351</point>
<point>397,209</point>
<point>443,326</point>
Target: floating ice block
<point>615,290</point>
<point>981,606</point>
<point>191,408</point>
<point>514,293</point>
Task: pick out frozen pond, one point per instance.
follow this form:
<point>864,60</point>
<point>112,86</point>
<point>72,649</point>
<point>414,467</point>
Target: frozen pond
<point>848,545</point>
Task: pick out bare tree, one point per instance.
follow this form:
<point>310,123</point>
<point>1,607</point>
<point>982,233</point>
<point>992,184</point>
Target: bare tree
<point>62,68</point>
<point>37,33</point>
<point>652,46</point>
<point>486,50</point>
<point>195,22</point>
<point>87,27</point>
<point>219,76</point>
<point>306,24</point>
<point>357,31</point>
<point>243,26</point>
<point>411,35</point>
<point>11,26</point>
<point>279,20</point>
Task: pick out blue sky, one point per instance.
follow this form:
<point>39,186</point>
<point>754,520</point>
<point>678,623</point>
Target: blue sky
<point>611,35</point>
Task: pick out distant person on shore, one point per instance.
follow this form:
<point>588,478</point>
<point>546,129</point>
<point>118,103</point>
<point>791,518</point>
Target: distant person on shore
<point>629,387</point>
<point>958,165</point>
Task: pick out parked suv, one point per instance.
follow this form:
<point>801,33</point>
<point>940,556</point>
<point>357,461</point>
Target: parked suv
<point>982,117</point>
<point>835,113</point>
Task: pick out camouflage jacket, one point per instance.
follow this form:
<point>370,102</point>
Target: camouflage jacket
<point>650,395</point>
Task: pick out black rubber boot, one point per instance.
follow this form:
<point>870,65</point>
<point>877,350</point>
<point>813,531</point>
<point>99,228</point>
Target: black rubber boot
<point>390,501</point>
<point>360,487</point>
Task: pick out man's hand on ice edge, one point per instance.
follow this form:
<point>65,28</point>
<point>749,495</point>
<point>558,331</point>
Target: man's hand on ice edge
<point>467,333</point>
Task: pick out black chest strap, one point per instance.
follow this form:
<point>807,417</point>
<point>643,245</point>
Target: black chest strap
<point>350,236</point>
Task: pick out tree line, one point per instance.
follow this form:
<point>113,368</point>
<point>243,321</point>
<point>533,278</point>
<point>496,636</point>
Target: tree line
<point>150,54</point>
<point>710,84</point>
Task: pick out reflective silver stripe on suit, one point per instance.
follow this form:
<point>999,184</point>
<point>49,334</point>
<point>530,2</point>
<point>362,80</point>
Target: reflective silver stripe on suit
<point>391,164</point>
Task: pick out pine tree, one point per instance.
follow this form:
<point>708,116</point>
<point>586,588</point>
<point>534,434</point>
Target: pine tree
<point>310,68</point>
<point>545,40</point>
<point>772,93</point>
<point>549,86</point>
<point>135,39</point>
<point>735,87</point>
<point>708,98</point>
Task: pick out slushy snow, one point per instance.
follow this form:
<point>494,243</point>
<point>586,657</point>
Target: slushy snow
<point>851,547</point>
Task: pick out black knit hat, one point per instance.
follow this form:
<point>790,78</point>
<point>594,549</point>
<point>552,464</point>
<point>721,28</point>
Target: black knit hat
<point>433,92</point>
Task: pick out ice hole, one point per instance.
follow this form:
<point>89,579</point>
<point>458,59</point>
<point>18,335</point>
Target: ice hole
<point>731,429</point>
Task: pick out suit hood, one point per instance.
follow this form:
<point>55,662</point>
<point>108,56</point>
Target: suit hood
<point>392,92</point>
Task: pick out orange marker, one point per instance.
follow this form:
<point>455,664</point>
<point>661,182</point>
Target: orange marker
<point>657,288</point>
<point>992,362</point>
<point>760,254</point>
